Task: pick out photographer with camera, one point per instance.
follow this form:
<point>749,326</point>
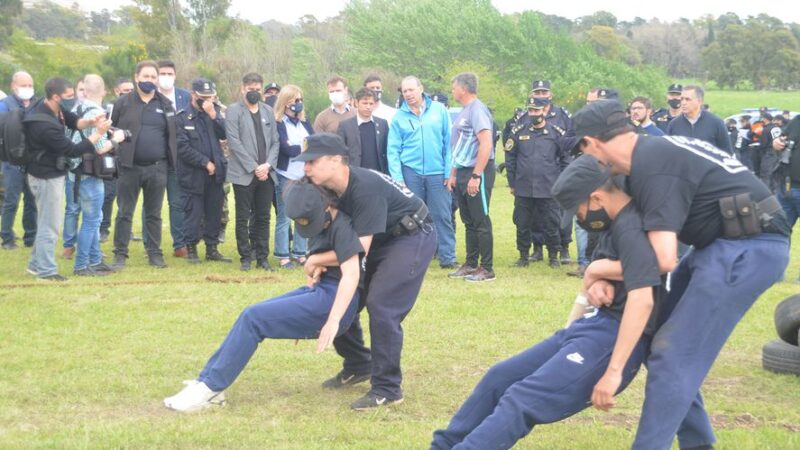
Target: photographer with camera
<point>788,173</point>
<point>48,148</point>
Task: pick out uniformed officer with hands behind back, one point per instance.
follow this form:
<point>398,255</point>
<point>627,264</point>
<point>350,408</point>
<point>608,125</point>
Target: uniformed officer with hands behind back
<point>536,153</point>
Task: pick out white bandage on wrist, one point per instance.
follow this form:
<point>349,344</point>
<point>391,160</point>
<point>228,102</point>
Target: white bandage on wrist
<point>581,300</point>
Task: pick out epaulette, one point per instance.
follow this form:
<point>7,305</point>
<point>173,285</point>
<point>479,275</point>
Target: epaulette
<point>518,127</point>
<point>560,130</point>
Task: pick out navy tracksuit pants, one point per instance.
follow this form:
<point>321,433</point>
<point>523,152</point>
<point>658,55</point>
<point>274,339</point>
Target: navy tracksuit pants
<point>711,290</point>
<point>395,270</point>
<point>299,314</point>
<point>546,383</point>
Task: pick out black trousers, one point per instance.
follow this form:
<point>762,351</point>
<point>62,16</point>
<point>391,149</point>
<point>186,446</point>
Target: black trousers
<point>152,182</point>
<point>474,211</point>
<point>202,213</point>
<point>536,213</point>
<point>109,194</point>
<point>252,218</point>
<point>394,273</point>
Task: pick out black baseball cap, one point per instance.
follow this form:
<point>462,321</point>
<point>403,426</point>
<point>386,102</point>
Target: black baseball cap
<point>321,144</point>
<point>540,85</point>
<point>204,87</point>
<point>440,97</point>
<point>272,85</point>
<point>598,118</point>
<point>537,103</point>
<point>674,88</point>
<point>305,205</point>
<point>607,94</point>
<point>581,177</point>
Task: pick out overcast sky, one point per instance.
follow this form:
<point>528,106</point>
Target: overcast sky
<point>289,12</point>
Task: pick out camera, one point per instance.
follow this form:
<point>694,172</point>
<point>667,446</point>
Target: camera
<point>787,151</point>
<point>127,133</point>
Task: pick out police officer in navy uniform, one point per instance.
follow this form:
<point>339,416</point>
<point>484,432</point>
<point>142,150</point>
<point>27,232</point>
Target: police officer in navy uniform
<point>536,153</point>
<point>662,116</point>
<point>688,190</point>
<point>397,234</point>
<point>202,169</point>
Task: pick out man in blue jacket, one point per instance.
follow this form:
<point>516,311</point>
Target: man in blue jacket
<point>418,153</point>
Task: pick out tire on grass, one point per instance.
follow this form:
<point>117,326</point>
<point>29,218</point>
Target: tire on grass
<point>779,357</point>
<point>787,319</point>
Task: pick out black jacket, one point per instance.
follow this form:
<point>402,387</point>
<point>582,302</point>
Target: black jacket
<point>47,142</point>
<point>535,158</point>
<point>127,115</point>
<point>198,143</point>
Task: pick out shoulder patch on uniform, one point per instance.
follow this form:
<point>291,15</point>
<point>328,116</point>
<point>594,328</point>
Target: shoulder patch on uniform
<point>516,129</point>
<point>560,130</point>
<point>566,112</point>
<point>509,145</point>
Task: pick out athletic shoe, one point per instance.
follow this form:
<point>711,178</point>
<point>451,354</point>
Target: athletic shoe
<point>342,380</point>
<point>53,277</point>
<point>370,400</point>
<point>481,275</point>
<point>103,267</point>
<point>194,397</point>
<point>522,262</point>
<point>10,245</point>
<point>119,262</point>
<point>89,272</point>
<point>463,271</point>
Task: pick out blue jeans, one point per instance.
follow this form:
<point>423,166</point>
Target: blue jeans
<point>711,290</point>
<point>299,314</point>
<point>14,185</point>
<point>546,383</point>
<point>49,195</point>
<point>71,212</point>
<point>791,204</point>
<point>282,224</point>
<point>431,189</point>
<point>582,241</point>
<point>90,200</point>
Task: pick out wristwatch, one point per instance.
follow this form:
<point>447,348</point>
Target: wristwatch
<point>475,176</point>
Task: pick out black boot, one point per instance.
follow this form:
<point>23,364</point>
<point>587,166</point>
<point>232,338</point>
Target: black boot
<point>537,253</point>
<point>552,257</point>
<point>522,261</point>
<point>565,258</point>
<point>191,254</point>
<point>212,254</point>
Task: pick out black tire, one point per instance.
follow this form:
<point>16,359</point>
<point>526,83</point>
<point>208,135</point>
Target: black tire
<point>787,319</point>
<point>779,357</point>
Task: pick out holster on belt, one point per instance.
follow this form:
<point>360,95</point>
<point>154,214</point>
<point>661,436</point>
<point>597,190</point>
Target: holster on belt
<point>743,217</point>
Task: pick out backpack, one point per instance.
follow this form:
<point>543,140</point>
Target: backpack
<point>13,148</point>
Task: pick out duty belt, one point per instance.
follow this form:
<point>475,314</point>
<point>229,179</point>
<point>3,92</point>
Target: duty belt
<point>411,224</point>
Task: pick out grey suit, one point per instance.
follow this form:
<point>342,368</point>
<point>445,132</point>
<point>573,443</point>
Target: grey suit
<point>241,133</point>
<point>348,130</point>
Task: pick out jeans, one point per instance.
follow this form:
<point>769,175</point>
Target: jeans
<point>282,224</point>
<point>72,211</point>
<point>711,290</point>
<point>152,181</point>
<point>15,186</point>
<point>90,199</point>
<point>252,218</point>
<point>432,191</point>
<point>299,314</point>
<point>110,189</point>
<point>582,242</point>
<point>791,204</point>
<point>49,195</point>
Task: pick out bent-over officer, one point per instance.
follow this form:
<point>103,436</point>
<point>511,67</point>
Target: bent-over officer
<point>536,153</point>
<point>397,234</point>
<point>201,170</point>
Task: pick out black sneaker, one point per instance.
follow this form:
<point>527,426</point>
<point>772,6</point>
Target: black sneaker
<point>481,275</point>
<point>88,272</point>
<point>156,260</point>
<point>463,271</point>
<point>522,262</point>
<point>342,380</point>
<point>103,267</point>
<point>119,262</point>
<point>264,265</point>
<point>370,400</point>
<point>450,266</point>
<point>53,277</point>
<point>10,245</point>
<point>246,265</point>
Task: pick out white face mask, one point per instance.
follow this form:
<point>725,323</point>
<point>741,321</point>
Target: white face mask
<point>337,98</point>
<point>25,93</point>
<point>166,82</point>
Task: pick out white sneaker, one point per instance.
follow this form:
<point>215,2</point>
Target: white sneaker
<point>195,396</point>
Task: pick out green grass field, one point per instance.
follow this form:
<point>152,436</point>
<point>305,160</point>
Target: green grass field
<point>727,103</point>
<point>85,364</point>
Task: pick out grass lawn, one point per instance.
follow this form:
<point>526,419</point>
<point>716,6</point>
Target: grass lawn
<point>727,103</point>
<point>85,364</point>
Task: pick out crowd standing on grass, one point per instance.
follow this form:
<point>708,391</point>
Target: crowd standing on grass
<point>372,192</point>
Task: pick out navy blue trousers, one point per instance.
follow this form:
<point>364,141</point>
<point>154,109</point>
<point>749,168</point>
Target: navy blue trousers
<point>546,383</point>
<point>395,270</point>
<point>299,314</point>
<point>711,290</point>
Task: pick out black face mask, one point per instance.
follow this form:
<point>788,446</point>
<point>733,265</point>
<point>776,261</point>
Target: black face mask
<point>296,108</point>
<point>253,97</point>
<point>199,104</point>
<point>675,103</point>
<point>147,86</point>
<point>537,120</point>
<point>596,220</point>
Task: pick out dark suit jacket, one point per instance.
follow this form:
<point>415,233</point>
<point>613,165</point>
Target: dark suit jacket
<point>348,130</point>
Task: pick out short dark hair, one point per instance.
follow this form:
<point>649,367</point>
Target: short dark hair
<point>146,63</point>
<point>252,78</point>
<point>56,86</point>
<point>166,63</point>
<point>643,100</point>
<point>364,93</point>
<point>336,79</point>
<point>123,80</point>
<point>372,77</point>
